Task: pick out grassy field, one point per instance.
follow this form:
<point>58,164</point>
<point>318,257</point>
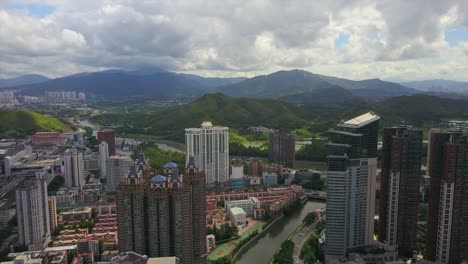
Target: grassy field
<point>25,122</point>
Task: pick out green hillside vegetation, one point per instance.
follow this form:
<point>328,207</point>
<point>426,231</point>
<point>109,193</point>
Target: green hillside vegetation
<point>158,157</point>
<point>308,120</point>
<point>219,109</point>
<point>20,123</point>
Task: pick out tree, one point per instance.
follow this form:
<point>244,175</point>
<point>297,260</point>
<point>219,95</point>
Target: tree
<point>309,218</point>
<point>285,254</point>
<point>210,230</point>
<point>320,227</point>
<point>237,149</point>
<point>316,151</point>
<point>310,249</point>
<point>158,157</point>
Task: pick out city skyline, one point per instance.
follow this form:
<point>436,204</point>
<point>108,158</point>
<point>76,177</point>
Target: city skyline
<point>155,207</point>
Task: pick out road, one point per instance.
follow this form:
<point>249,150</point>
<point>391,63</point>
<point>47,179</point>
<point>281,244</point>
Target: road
<point>300,237</point>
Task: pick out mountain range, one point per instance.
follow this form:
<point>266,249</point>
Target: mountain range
<point>123,84</point>
<point>295,85</point>
<point>439,85</point>
<point>23,80</point>
<point>296,82</point>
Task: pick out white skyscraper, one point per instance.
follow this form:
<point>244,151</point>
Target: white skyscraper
<point>352,169</point>
<point>81,96</point>
<point>74,168</point>
<point>32,211</point>
<point>103,156</point>
<point>209,146</point>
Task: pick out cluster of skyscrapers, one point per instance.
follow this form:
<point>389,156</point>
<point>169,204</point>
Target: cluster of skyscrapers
<point>163,213</point>
<point>352,168</point>
<point>64,96</point>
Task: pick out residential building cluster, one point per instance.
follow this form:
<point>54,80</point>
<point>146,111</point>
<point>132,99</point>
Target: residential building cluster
<point>163,215</point>
<point>253,172</point>
<point>258,204</point>
<point>8,98</point>
<point>64,96</point>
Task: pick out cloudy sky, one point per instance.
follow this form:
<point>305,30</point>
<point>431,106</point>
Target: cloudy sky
<point>356,39</point>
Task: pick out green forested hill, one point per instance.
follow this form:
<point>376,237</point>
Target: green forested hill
<point>417,110</point>
<point>219,109</point>
<point>15,123</point>
<point>226,111</point>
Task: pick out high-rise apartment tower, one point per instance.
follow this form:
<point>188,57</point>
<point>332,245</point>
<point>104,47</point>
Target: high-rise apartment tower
<point>164,216</point>
<point>74,168</point>
<point>399,193</point>
<point>32,211</point>
<point>352,167</point>
<point>447,230</point>
<point>209,146</point>
<point>108,136</point>
<point>282,148</point>
<point>103,156</point>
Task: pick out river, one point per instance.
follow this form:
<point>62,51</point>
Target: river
<point>261,250</point>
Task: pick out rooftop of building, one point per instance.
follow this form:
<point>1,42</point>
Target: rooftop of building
<point>163,260</point>
<point>132,172</point>
<point>141,159</point>
<point>170,165</point>
<point>47,133</point>
<point>86,210</point>
<point>106,130</point>
<point>361,120</point>
<point>206,125</point>
<point>118,157</point>
<point>237,211</point>
<point>158,178</point>
<point>375,247</point>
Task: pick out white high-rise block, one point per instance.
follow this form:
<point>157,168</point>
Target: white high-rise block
<point>209,146</point>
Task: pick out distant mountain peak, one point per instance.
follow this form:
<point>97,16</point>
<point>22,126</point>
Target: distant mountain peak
<point>295,82</point>
<point>23,80</point>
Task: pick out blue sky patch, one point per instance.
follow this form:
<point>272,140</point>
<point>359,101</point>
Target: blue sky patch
<point>342,40</point>
<point>33,9</point>
<point>455,34</point>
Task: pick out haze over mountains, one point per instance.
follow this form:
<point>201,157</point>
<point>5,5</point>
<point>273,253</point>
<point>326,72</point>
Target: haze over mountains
<point>23,80</point>
<point>295,85</point>
<point>438,85</point>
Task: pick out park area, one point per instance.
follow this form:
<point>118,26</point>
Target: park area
<point>229,248</point>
